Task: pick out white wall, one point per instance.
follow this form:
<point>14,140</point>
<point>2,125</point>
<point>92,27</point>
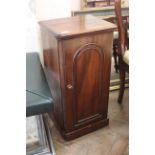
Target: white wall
<point>32,28</point>
<point>75,4</point>
<point>38,10</point>
<point>49,9</point>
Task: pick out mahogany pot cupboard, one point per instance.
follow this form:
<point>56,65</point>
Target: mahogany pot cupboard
<point>77,61</point>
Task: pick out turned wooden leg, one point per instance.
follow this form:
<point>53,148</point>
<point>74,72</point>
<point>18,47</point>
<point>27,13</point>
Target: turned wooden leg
<point>122,86</point>
<point>115,57</point>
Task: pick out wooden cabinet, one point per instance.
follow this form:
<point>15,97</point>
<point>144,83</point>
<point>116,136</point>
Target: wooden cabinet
<point>77,60</point>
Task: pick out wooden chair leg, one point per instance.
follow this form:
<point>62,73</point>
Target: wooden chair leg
<point>122,86</point>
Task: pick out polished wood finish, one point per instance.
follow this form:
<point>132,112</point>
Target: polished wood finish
<point>75,26</point>
<point>122,46</point>
<point>77,58</point>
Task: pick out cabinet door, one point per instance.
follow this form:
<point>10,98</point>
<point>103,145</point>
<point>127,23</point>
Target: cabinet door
<point>84,76</point>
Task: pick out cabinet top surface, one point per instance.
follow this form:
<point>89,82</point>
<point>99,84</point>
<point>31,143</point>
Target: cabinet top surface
<point>76,25</point>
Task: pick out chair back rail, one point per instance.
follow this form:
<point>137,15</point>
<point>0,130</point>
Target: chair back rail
<point>122,28</point>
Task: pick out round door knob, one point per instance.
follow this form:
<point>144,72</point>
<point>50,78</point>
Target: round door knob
<point>69,86</point>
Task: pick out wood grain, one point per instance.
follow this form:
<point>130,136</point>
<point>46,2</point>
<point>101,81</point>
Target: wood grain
<point>77,25</point>
<point>77,66</point>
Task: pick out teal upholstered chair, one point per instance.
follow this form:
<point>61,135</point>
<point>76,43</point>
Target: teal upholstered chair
<point>38,102</point>
<point>38,96</point>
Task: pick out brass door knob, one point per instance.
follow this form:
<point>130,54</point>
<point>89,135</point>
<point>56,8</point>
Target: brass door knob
<point>69,86</point>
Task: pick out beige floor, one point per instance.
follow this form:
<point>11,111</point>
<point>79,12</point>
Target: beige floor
<point>110,140</point>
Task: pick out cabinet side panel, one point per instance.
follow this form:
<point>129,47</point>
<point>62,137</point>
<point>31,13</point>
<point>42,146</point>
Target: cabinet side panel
<point>51,68</point>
